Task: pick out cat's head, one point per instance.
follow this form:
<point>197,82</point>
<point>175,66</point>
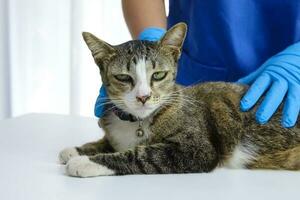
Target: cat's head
<point>139,76</point>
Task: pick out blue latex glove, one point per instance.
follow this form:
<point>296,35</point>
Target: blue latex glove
<point>150,34</point>
<point>100,103</point>
<point>279,77</point>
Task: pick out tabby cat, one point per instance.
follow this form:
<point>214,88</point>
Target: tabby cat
<point>169,128</point>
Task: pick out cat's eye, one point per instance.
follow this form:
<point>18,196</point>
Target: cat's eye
<point>123,78</point>
<point>158,76</point>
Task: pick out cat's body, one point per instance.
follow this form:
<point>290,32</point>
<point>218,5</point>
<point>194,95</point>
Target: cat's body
<point>195,129</point>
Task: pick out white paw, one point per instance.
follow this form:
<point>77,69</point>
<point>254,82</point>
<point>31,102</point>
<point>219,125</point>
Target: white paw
<point>81,166</point>
<point>66,154</point>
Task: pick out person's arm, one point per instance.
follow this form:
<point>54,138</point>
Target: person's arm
<point>143,14</point>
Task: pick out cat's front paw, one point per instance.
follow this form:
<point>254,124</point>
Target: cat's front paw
<point>66,154</point>
<point>82,166</point>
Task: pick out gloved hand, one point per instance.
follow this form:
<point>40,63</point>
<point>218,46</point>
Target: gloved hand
<point>279,77</point>
<point>150,34</point>
<point>100,103</point>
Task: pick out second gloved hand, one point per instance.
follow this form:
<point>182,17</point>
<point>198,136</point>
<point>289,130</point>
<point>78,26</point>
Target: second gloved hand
<point>279,79</point>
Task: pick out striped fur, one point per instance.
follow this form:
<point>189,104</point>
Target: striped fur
<point>189,130</point>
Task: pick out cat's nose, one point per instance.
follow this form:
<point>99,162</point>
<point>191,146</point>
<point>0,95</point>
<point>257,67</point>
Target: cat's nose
<point>143,99</point>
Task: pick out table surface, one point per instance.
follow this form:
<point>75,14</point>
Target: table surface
<point>29,170</point>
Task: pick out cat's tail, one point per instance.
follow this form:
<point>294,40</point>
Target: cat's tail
<point>288,159</point>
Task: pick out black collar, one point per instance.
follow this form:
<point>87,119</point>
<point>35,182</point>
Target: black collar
<point>121,114</point>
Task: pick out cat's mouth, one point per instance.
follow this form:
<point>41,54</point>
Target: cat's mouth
<point>146,107</point>
<point>143,111</point>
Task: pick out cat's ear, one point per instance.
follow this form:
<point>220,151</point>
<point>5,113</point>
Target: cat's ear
<point>174,38</point>
<point>101,51</point>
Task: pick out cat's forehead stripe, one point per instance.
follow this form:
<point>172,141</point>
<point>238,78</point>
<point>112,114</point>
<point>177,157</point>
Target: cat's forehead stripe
<point>142,85</point>
<point>134,60</point>
<point>137,47</point>
<point>138,50</point>
<point>153,64</point>
<point>128,65</point>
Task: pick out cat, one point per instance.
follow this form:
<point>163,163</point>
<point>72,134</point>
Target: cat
<point>168,128</point>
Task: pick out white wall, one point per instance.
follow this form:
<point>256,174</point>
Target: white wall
<point>40,55</point>
<point>103,18</point>
<point>4,63</point>
<point>51,67</point>
<point>45,65</point>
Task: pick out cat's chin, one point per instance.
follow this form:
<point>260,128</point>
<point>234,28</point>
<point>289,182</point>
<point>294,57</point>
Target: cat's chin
<point>143,112</point>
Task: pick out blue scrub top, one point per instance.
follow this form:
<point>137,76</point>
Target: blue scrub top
<point>228,39</point>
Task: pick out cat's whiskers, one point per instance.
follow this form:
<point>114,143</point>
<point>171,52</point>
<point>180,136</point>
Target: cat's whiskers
<point>109,99</point>
<point>119,105</point>
<point>177,96</point>
<point>109,109</point>
<point>110,102</point>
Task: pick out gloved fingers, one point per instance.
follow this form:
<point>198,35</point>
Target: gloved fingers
<point>260,85</point>
<point>292,49</point>
<point>249,79</point>
<point>291,71</point>
<point>293,59</point>
<point>291,107</point>
<point>102,98</point>
<point>101,102</point>
<point>272,100</point>
<point>152,34</point>
<point>253,76</point>
<point>103,93</point>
